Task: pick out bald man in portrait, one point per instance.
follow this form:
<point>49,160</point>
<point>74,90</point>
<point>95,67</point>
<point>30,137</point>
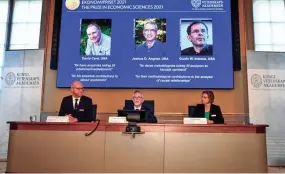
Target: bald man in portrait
<point>77,106</point>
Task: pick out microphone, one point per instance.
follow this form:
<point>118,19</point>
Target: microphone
<point>90,133</point>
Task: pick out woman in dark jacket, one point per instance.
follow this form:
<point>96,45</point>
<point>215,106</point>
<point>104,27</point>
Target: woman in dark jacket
<point>208,110</point>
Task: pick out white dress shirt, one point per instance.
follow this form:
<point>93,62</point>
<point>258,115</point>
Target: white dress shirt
<point>73,101</point>
<point>139,108</point>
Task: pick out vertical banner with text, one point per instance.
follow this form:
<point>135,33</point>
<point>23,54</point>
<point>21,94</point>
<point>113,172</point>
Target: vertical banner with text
<point>21,91</point>
<point>266,90</point>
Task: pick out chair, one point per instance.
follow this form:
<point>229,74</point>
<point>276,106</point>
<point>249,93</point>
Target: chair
<point>191,110</point>
<point>149,103</point>
<point>94,113</point>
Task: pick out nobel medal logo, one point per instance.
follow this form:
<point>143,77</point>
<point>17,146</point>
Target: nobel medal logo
<point>256,80</point>
<point>196,3</point>
<point>72,4</point>
<point>10,78</point>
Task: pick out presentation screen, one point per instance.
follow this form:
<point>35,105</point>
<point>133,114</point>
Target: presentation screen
<point>146,44</point>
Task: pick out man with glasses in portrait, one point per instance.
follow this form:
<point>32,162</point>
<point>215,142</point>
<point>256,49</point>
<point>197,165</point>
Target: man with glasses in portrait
<point>197,34</point>
<point>77,106</point>
<point>152,46</point>
<point>138,104</point>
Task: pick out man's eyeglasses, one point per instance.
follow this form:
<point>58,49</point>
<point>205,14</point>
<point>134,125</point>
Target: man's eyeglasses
<point>138,97</point>
<point>82,89</point>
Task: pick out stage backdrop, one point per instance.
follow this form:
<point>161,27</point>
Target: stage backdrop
<point>266,89</point>
<point>21,90</point>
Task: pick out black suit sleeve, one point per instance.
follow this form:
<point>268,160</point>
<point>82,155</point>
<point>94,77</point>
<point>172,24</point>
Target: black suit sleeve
<point>150,117</point>
<point>219,119</point>
<point>62,110</point>
<point>88,111</point>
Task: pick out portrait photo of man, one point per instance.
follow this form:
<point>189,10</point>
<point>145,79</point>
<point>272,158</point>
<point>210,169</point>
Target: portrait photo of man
<point>95,41</point>
<point>195,38</point>
<point>150,38</point>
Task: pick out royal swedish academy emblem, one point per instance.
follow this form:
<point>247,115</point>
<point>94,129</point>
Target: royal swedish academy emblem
<point>10,78</point>
<point>256,80</point>
<point>72,4</point>
<point>196,3</point>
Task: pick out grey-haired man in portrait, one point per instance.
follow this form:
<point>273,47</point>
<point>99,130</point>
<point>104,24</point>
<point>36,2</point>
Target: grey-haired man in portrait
<point>152,47</point>
<point>98,43</point>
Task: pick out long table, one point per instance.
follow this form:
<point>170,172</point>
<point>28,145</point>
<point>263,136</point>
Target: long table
<point>163,148</point>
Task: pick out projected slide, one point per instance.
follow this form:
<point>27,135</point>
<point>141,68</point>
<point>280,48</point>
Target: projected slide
<point>146,44</point>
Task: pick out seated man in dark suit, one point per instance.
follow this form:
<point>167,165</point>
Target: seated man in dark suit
<point>77,106</point>
<point>208,110</point>
<point>138,104</point>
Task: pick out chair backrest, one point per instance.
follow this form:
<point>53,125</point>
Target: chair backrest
<point>191,110</point>
<point>94,109</point>
<point>149,103</point>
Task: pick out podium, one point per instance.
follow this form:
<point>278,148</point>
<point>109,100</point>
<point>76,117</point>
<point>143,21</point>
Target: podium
<point>39,147</point>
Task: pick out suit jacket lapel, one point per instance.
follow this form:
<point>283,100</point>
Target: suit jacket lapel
<point>81,102</point>
<point>211,112</point>
<point>70,102</point>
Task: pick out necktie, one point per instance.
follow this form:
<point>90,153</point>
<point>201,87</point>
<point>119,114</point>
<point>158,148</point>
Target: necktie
<point>137,109</point>
<point>76,104</point>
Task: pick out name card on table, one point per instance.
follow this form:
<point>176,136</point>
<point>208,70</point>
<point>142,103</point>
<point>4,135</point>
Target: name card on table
<point>113,119</point>
<point>64,119</point>
<point>187,120</point>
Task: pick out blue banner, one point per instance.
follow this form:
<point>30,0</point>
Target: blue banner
<point>146,44</point>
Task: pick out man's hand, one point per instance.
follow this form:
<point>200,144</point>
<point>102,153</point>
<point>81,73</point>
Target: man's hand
<point>72,119</point>
<point>210,121</point>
